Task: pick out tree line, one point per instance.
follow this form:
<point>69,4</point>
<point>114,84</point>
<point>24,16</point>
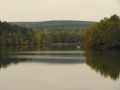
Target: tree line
<point>103,34</point>
<point>17,35</point>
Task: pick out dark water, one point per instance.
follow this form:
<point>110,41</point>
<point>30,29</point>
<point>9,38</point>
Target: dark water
<point>62,69</point>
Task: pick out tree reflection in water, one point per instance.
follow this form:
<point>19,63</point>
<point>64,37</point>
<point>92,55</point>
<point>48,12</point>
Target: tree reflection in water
<point>7,58</point>
<point>5,61</point>
<point>107,62</point>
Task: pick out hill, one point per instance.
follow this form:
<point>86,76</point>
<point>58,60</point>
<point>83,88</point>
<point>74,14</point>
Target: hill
<point>60,24</point>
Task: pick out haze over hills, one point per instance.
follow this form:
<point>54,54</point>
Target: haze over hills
<point>59,24</point>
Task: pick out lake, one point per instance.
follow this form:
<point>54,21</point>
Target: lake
<point>62,69</point>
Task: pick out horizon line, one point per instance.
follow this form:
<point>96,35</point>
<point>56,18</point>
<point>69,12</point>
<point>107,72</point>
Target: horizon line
<point>50,20</point>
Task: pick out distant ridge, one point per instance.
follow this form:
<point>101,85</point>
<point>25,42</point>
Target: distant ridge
<point>59,24</point>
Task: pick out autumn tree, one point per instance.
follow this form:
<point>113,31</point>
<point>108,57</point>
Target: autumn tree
<point>105,34</point>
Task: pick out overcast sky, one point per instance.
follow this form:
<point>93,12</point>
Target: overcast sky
<point>43,10</point>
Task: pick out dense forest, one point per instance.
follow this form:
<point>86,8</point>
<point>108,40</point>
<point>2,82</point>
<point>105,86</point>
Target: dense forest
<point>103,34</point>
<point>16,35</point>
<point>63,38</point>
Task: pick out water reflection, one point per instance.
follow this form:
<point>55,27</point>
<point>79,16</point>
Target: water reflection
<point>10,56</point>
<point>105,62</point>
<point>4,60</point>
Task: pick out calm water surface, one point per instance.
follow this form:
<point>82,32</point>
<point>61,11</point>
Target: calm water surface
<point>36,69</point>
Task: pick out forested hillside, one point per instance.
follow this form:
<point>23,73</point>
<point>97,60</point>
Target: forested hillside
<point>103,34</point>
<point>55,25</point>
